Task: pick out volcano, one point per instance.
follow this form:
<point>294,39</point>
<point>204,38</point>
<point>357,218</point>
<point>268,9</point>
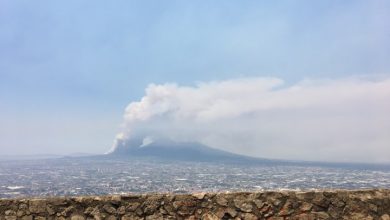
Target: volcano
<point>171,150</point>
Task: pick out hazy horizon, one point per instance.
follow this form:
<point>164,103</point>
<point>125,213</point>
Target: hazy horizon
<point>294,80</point>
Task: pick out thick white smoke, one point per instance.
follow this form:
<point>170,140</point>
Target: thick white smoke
<point>327,120</point>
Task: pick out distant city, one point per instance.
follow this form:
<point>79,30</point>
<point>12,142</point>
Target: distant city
<point>92,176</point>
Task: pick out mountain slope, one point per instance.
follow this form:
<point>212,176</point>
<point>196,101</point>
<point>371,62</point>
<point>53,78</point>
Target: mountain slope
<point>188,151</point>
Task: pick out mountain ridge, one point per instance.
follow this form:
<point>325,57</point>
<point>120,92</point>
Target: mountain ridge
<point>188,151</point>
<point>197,152</point>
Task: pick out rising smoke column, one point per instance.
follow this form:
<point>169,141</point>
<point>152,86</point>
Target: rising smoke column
<point>338,120</point>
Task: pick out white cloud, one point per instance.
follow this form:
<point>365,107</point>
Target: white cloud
<point>328,120</point>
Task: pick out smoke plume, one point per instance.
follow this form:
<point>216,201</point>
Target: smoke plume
<point>327,120</point>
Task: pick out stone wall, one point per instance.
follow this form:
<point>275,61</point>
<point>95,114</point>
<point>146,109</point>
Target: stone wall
<point>366,204</point>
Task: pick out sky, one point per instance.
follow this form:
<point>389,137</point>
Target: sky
<point>68,70</point>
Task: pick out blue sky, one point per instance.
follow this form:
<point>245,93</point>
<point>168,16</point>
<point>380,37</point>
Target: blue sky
<point>68,69</point>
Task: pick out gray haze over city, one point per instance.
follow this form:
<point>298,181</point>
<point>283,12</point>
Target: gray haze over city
<point>86,176</point>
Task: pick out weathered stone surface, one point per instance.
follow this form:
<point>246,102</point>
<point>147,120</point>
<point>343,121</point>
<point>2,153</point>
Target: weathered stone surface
<point>305,196</point>
<point>116,199</point>
<point>224,213</point>
<point>156,216</point>
<point>131,207</point>
<point>321,201</point>
<point>185,207</point>
<point>321,215</point>
<point>131,217</point>
<point>20,213</point>
<point>23,206</point>
<point>359,216</point>
<point>243,204</point>
<point>385,217</point>
<point>337,202</point>
<point>221,200</point>
<point>287,209</point>
<point>122,210</point>
<point>210,216</point>
<point>10,212</point>
<point>59,202</point>
<point>305,207</point>
<point>333,211</point>
<point>77,217</point>
<point>67,211</point>
<point>266,209</point>
<point>259,203</point>
<point>152,204</point>
<point>304,216</point>
<point>50,210</point>
<point>109,209</point>
<point>111,217</point>
<point>37,206</point>
<point>27,217</point>
<point>249,216</point>
<point>199,195</point>
<point>361,204</point>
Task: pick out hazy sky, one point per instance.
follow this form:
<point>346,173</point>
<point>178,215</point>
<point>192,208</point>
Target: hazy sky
<point>68,69</point>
